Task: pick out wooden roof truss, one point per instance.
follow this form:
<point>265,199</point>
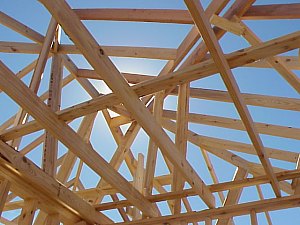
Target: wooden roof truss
<point>53,192</point>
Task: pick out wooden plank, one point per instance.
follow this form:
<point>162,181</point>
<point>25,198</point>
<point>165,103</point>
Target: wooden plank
<point>273,11</point>
<point>181,138</point>
<point>33,105</point>
<point>138,183</point>
<point>20,28</point>
<point>291,62</point>
<point>30,180</point>
<point>136,15</point>
<point>275,102</point>
<point>28,211</point>
<point>228,211</point>
<point>227,25</point>
<point>130,77</point>
<point>201,70</point>
<point>118,51</point>
<point>102,64</point>
<point>54,100</point>
<point>230,185</point>
<point>214,47</point>
<point>4,190</point>
<point>263,128</point>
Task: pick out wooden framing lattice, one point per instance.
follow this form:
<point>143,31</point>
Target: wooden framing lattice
<point>54,190</point>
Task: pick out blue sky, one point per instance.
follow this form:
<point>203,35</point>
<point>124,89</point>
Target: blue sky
<point>250,80</point>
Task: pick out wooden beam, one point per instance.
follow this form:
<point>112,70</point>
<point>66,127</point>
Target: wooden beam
<point>28,180</point>
<point>181,138</point>
<point>136,15</point>
<point>223,212</point>
<point>54,99</point>
<point>28,211</point>
<point>118,51</point>
<point>214,47</point>
<point>230,185</point>
<point>253,217</point>
<point>291,62</point>
<point>275,11</point>
<point>102,64</point>
<point>4,190</point>
<point>20,28</point>
<point>227,25</point>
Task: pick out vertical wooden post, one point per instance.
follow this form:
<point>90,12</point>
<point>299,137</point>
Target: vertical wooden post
<point>253,217</point>
<point>28,210</point>
<point>4,189</point>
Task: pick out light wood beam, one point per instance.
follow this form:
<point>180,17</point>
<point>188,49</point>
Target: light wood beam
<point>102,64</point>
<point>138,183</point>
<point>273,11</point>
<point>223,212</point>
<point>28,211</point>
<point>230,185</point>
<point>4,190</point>
<point>253,217</point>
<point>181,138</point>
<point>54,99</point>
<point>33,105</point>
<point>291,62</point>
<point>20,28</point>
<point>212,43</point>
<point>29,180</point>
<point>275,102</point>
<point>118,51</point>
<point>136,15</point>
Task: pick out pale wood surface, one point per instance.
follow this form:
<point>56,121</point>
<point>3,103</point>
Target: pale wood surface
<point>138,109</point>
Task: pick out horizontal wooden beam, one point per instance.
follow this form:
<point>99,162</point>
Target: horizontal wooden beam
<point>291,62</point>
<point>118,51</point>
<point>136,15</point>
<point>275,102</point>
<point>275,11</point>
<point>224,186</point>
<point>130,77</point>
<point>224,212</point>
<point>28,180</point>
